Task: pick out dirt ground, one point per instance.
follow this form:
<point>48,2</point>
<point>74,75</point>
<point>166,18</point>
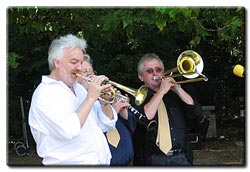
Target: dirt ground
<point>221,153</point>
<point>209,152</point>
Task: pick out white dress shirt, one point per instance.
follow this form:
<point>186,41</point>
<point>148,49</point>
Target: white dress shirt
<point>56,127</point>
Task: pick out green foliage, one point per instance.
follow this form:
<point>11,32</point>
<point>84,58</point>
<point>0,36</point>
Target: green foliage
<point>118,37</point>
<point>12,60</point>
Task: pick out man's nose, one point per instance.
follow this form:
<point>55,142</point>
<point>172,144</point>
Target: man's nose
<point>154,72</point>
<point>79,66</point>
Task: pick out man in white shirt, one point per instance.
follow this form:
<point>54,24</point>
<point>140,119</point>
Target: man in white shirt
<point>65,119</point>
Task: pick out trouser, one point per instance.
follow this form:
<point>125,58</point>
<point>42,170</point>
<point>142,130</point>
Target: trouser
<point>178,159</point>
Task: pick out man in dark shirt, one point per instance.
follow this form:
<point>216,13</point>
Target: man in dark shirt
<point>180,108</point>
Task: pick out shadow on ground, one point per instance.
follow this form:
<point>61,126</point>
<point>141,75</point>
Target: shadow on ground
<point>209,152</point>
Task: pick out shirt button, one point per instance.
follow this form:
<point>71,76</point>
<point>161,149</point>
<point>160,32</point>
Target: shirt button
<point>173,139</point>
<point>171,128</point>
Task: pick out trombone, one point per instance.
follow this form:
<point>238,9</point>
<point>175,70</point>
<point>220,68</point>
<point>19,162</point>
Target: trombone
<point>189,65</point>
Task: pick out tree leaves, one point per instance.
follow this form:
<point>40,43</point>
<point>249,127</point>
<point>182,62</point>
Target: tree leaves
<point>12,60</point>
<point>118,37</point>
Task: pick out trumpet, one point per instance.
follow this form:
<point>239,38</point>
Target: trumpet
<point>110,96</point>
<point>138,94</point>
<point>189,65</point>
<point>114,94</point>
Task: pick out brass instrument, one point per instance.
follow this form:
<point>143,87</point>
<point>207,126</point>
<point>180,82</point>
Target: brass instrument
<point>138,94</point>
<point>139,98</point>
<point>189,65</point>
<point>110,96</point>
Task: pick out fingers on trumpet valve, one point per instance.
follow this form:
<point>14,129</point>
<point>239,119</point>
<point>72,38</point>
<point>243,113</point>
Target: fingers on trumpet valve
<point>120,96</point>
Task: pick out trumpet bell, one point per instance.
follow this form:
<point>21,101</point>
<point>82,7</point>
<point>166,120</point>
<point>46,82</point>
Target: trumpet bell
<point>190,63</point>
<point>140,95</point>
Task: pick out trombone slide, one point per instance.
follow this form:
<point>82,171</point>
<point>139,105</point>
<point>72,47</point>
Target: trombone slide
<point>203,78</point>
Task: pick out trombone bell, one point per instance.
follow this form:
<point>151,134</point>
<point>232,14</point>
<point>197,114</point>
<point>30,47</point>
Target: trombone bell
<point>190,64</point>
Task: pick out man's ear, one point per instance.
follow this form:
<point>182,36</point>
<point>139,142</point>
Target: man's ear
<point>140,77</point>
<point>56,63</point>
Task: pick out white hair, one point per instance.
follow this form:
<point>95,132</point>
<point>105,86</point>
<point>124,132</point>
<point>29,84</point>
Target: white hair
<point>147,57</point>
<point>87,58</point>
<point>56,49</point>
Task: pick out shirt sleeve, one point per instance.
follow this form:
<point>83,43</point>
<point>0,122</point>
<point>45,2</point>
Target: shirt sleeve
<point>54,114</point>
<point>193,111</point>
<point>102,120</point>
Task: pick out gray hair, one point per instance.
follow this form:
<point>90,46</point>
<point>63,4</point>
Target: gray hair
<point>147,57</point>
<point>87,58</point>
<point>56,49</point>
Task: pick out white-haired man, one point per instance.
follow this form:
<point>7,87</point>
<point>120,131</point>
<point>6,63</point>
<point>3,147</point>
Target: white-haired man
<point>63,122</point>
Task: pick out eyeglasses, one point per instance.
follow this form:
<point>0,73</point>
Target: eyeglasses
<point>156,69</point>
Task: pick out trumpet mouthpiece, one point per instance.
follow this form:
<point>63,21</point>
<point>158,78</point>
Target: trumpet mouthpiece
<point>78,74</point>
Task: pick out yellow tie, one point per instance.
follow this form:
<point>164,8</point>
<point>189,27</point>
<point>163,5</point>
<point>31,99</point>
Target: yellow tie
<point>113,137</point>
<point>163,139</point>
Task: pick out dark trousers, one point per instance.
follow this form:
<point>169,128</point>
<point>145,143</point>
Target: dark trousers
<point>179,159</point>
